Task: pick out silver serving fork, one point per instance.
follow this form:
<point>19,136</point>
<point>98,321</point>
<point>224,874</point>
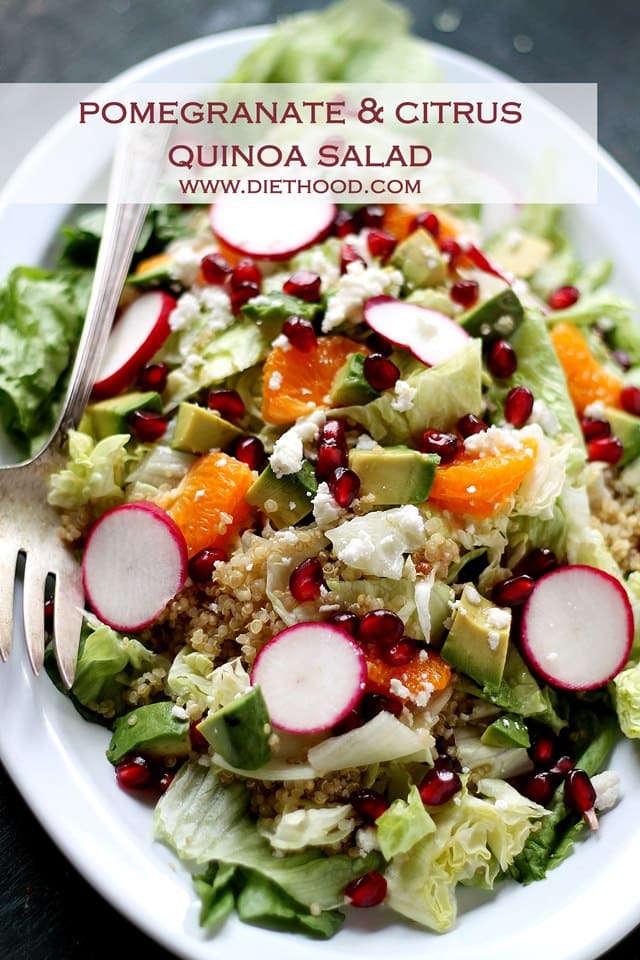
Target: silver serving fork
<point>28,525</point>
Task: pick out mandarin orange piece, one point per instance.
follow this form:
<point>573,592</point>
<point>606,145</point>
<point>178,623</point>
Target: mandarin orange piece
<point>399,219</point>
<point>587,379</point>
<point>416,676</point>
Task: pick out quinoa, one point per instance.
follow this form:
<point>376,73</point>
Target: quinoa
<point>616,514</point>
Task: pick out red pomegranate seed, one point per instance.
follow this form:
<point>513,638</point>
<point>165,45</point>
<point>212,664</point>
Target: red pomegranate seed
<point>465,292</point>
<point>48,614</point>
<point>349,255</point>
<point>444,444</point>
<point>381,244</point>
<point>622,358</point>
<point>518,406</point>
<point>369,804</point>
<point>439,786</point>
<point>562,766</point>
<point>300,334</point>
<point>370,216</point>
<point>153,377</point>
<point>401,653</point>
<point>453,251</point>
<point>199,743</point>
<point>374,703</point>
<point>333,432</point>
<point>147,425</point>
<point>133,773</point>
<point>303,284</point>
<point>501,359</point>
<point>380,344</point>
<point>380,372</point>
<point>306,580</point>
<point>470,424</point>
<point>241,294</point>
<point>540,787</point>
<point>543,750</point>
<point>165,781</point>
<point>352,721</point>
<point>228,403</point>
<point>330,457</point>
<point>250,450</point>
<point>343,223</point>
<point>203,564</point>
<point>607,449</point>
<point>593,428</point>
<point>579,793</point>
<point>245,271</point>
<point>380,628</point>
<point>215,268</point>
<point>536,563</point>
<point>346,621</point>
<point>563,297</point>
<point>369,890</point>
<point>444,762</point>
<point>630,400</point>
<point>512,592</point>
<point>429,222</point>
<point>344,485</point>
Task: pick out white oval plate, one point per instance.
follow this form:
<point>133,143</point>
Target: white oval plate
<point>57,760</point>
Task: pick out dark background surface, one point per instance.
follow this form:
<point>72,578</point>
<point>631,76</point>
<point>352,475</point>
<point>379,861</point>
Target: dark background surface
<point>47,911</point>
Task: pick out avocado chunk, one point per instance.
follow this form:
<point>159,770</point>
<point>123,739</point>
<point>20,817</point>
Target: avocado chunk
<point>419,260</point>
<point>497,317</point>
<point>626,427</point>
<point>284,500</point>
<point>509,730</point>
<point>520,253</point>
<point>478,639</point>
<point>394,475</point>
<point>152,730</point>
<point>198,430</point>
<point>350,385</point>
<point>157,275</point>
<point>240,731</point>
<point>112,416</point>
<point>270,310</point>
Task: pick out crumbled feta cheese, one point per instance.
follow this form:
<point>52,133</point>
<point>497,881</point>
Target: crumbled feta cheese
<point>471,489</point>
<point>498,618</point>
<point>357,285</point>
<point>376,542</point>
<point>185,311</point>
<point>282,342</point>
<point>185,262</point>
<point>365,442</point>
<point>472,594</point>
<point>216,305</point>
<point>367,840</point>
<point>275,380</point>
<point>595,410</point>
<point>288,454</point>
<point>404,396</point>
<point>607,788</point>
<point>545,418</point>
<point>326,511</point>
<point>492,442</point>
<point>398,689</point>
<point>493,639</point>
<point>179,712</point>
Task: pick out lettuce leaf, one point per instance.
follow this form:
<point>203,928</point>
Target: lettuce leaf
<point>94,472</point>
<point>264,904</point>
<point>194,678</point>
<point>626,697</point>
<point>404,824</point>
<point>311,827</point>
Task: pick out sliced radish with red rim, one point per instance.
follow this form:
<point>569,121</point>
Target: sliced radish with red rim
<point>430,336</point>
<point>267,229</point>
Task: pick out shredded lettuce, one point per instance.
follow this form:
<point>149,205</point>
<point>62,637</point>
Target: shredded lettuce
<point>376,542</point>
<point>94,472</point>
<point>194,679</point>
<point>381,739</point>
<point>504,762</point>
<point>626,697</point>
<point>404,824</point>
<point>311,827</point>
<point>160,468</point>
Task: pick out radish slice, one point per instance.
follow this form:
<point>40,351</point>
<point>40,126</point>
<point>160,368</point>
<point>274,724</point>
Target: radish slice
<point>577,627</point>
<point>430,336</point>
<point>267,229</point>
<point>311,675</point>
<point>136,335</point>
<point>134,562</point>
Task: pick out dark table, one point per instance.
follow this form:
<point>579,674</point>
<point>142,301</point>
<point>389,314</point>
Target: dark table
<point>47,911</point>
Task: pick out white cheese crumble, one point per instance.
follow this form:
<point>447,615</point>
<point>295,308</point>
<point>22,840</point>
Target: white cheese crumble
<point>326,511</point>
<point>275,380</point>
<point>376,542</point>
<point>404,396</point>
<point>185,311</point>
<point>367,840</point>
<point>398,689</point>
<point>179,712</point>
<point>185,261</point>
<point>595,410</point>
<point>365,442</point>
<point>545,418</point>
<point>282,342</point>
<point>493,639</point>
<point>356,286</point>
<point>288,450</point>
<point>498,617</point>
<point>472,595</point>
<point>492,442</point>
<point>215,303</point>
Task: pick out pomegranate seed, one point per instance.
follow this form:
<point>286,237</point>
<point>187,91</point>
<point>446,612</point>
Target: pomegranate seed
<point>250,450</point>
<point>381,628</point>
<point>344,485</point>
<point>228,403</point>
<point>465,292</point>
<point>343,223</point>
<point>444,444</point>
<point>379,344</point>
<point>241,294</point>
<point>593,428</point>
<point>444,762</point>
<point>543,750</point>
<point>165,781</point>
<point>300,334</point>
<point>630,400</point>
<point>244,272</point>
<point>147,425</point>
<point>380,372</point>
<point>306,580</point>
<point>381,244</point>
<point>622,358</point>
<point>482,262</point>
<point>470,424</point>
<point>518,406</point>
<point>153,377</point>
<point>369,804</point>
<point>536,563</point>
<point>330,457</point>
<point>333,432</point>
<point>199,743</point>
<point>370,216</point>
<point>429,222</point>
<point>502,360</point>
<point>374,703</point>
<point>349,255</point>
<point>48,614</point>
<point>512,592</point>
<point>563,297</point>
<point>607,449</point>
<point>438,786</point>
<point>348,622</point>
<point>579,793</point>
<point>215,268</point>
<point>401,653</point>
<point>303,284</point>
<point>133,774</point>
<point>369,890</point>
<point>203,564</point>
<point>562,766</point>
<point>352,721</point>
<point>453,251</point>
<point>540,787</point>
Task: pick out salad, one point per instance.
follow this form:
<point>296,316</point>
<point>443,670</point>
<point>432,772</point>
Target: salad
<point>358,527</point>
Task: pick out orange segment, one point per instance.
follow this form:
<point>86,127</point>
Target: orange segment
<point>421,675</point>
<point>587,379</point>
<point>151,264</point>
<point>209,505</point>
<point>399,219</point>
<point>481,486</point>
<point>295,383</point>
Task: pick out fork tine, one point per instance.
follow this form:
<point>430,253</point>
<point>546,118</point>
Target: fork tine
<point>7,583</point>
<point>35,575</point>
<point>68,610</point>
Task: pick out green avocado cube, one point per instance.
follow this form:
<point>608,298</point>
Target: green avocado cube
<point>110,416</point>
<point>394,475</point>
<point>478,638</point>
<point>626,428</point>
<point>509,730</point>
<point>199,430</point>
<point>153,730</point>
<point>284,500</point>
<point>240,731</point>
<point>350,386</point>
<point>420,261</point>
<point>497,317</point>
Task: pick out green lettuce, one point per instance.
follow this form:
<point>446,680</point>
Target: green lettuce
<point>311,827</point>
<point>194,678</point>
<point>404,824</point>
<point>94,472</point>
<point>626,697</point>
